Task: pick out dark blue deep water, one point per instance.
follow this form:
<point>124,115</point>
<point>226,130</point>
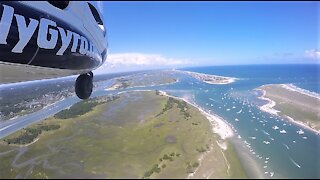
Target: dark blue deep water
<point>304,76</point>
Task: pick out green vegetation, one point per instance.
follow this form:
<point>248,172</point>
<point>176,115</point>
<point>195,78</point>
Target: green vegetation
<point>28,135</point>
<point>201,150</point>
<point>180,105</point>
<point>192,167</point>
<point>298,106</point>
<point>168,106</point>
<point>117,139</point>
<point>167,157</point>
<point>78,109</point>
<point>82,107</point>
<point>123,83</point>
<point>144,79</point>
<point>148,79</point>
<point>154,169</point>
<point>196,164</point>
<point>14,101</point>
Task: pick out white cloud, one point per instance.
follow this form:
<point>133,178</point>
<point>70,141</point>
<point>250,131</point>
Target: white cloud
<point>312,53</point>
<point>140,61</point>
<point>143,59</point>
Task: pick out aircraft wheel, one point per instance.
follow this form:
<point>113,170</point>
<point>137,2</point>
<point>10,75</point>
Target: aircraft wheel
<point>84,85</point>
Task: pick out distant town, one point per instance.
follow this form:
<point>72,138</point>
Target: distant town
<point>23,99</point>
<point>208,78</point>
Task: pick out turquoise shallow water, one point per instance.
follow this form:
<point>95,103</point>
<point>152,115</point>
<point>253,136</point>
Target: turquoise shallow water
<point>272,143</point>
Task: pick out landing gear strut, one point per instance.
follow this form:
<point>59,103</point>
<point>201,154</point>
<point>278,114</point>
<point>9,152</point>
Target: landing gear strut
<point>84,85</point>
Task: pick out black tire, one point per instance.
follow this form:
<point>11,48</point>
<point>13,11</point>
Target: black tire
<point>83,86</point>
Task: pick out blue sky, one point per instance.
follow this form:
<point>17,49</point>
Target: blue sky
<point>212,33</point>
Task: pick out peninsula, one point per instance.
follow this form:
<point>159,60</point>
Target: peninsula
<point>293,103</point>
<point>208,78</point>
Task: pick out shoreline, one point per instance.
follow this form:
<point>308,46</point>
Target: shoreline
<point>163,84</point>
<point>219,126</point>
<point>251,165</point>
<point>294,88</point>
<point>301,124</point>
<point>111,88</point>
<point>226,80</point>
<point>269,107</point>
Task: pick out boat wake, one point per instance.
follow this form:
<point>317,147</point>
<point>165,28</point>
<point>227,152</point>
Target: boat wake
<point>295,163</point>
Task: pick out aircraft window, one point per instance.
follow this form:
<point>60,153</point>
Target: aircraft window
<point>59,4</point>
<point>95,14</point>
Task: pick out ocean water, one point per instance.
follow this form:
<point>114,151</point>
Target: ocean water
<point>304,76</point>
<point>270,146</point>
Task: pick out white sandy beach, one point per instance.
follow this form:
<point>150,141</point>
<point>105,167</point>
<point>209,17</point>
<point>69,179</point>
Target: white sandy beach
<point>113,87</point>
<point>230,80</point>
<point>269,106</point>
<point>301,124</point>
<point>226,80</point>
<point>292,87</point>
<point>219,126</point>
